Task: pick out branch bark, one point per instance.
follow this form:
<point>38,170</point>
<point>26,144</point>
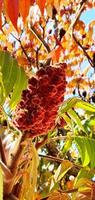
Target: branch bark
<point>38,36</point>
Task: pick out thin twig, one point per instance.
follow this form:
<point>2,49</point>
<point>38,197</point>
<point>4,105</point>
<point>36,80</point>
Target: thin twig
<point>47,140</point>
<point>68,191</point>
<point>38,36</point>
<point>28,58</point>
<point>80,10</point>
<point>51,158</point>
<point>42,142</point>
<point>57,138</point>
<point>37,56</point>
<point>85,53</point>
<point>56,159</point>
<point>78,88</point>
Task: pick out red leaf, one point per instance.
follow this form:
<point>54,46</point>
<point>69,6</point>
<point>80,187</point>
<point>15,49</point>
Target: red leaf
<point>24,6</point>
<point>41,4</point>
<point>1,1</point>
<point>12,10</point>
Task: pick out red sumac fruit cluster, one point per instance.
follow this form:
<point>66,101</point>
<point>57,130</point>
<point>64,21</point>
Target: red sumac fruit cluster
<point>37,111</point>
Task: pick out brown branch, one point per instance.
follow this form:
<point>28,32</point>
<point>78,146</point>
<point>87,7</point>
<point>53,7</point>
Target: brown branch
<point>14,168</point>
<point>78,88</point>
<point>11,197</point>
<point>38,36</point>
<point>28,58</point>
<point>15,163</point>
<point>37,56</point>
<point>18,155</point>
<point>85,53</point>
<point>57,138</point>
<point>51,158</point>
<point>82,4</point>
<point>68,191</point>
<point>41,143</point>
<point>47,140</point>
<point>56,159</point>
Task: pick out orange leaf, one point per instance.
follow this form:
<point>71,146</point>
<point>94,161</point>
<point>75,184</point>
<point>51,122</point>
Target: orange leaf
<point>24,6</point>
<point>57,195</point>
<point>41,4</point>
<point>12,10</point>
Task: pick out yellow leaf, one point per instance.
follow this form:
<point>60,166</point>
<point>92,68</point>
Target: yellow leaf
<point>27,191</point>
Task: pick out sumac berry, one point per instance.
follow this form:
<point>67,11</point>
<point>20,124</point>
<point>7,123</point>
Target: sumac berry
<point>37,111</point>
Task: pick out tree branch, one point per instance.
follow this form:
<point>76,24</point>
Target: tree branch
<point>80,10</point>
<point>58,160</point>
<point>25,53</point>
<point>38,36</point>
<point>47,140</point>
<point>68,191</point>
<point>85,53</point>
<point>57,138</point>
<point>51,158</point>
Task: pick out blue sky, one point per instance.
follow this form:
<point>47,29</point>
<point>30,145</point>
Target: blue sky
<point>88,16</point>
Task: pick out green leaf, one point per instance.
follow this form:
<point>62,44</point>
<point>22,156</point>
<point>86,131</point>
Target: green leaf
<point>67,119</point>
<point>68,144</point>
<point>91,122</point>
<point>9,71</point>
<point>70,103</point>
<point>84,173</point>
<point>74,116</point>
<point>85,106</point>
<point>63,168</point>
<point>20,84</point>
<point>86,148</point>
<point>1,184</point>
<point>75,102</point>
<point>13,79</point>
<point>2,94</point>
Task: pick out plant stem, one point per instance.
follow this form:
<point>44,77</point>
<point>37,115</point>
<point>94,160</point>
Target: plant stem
<point>51,158</point>
<point>47,140</point>
<point>57,138</point>
<point>68,191</point>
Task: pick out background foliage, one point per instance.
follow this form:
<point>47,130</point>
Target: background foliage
<point>47,72</point>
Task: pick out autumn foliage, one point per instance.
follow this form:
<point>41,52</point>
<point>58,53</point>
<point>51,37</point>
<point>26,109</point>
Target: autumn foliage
<point>47,100</point>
